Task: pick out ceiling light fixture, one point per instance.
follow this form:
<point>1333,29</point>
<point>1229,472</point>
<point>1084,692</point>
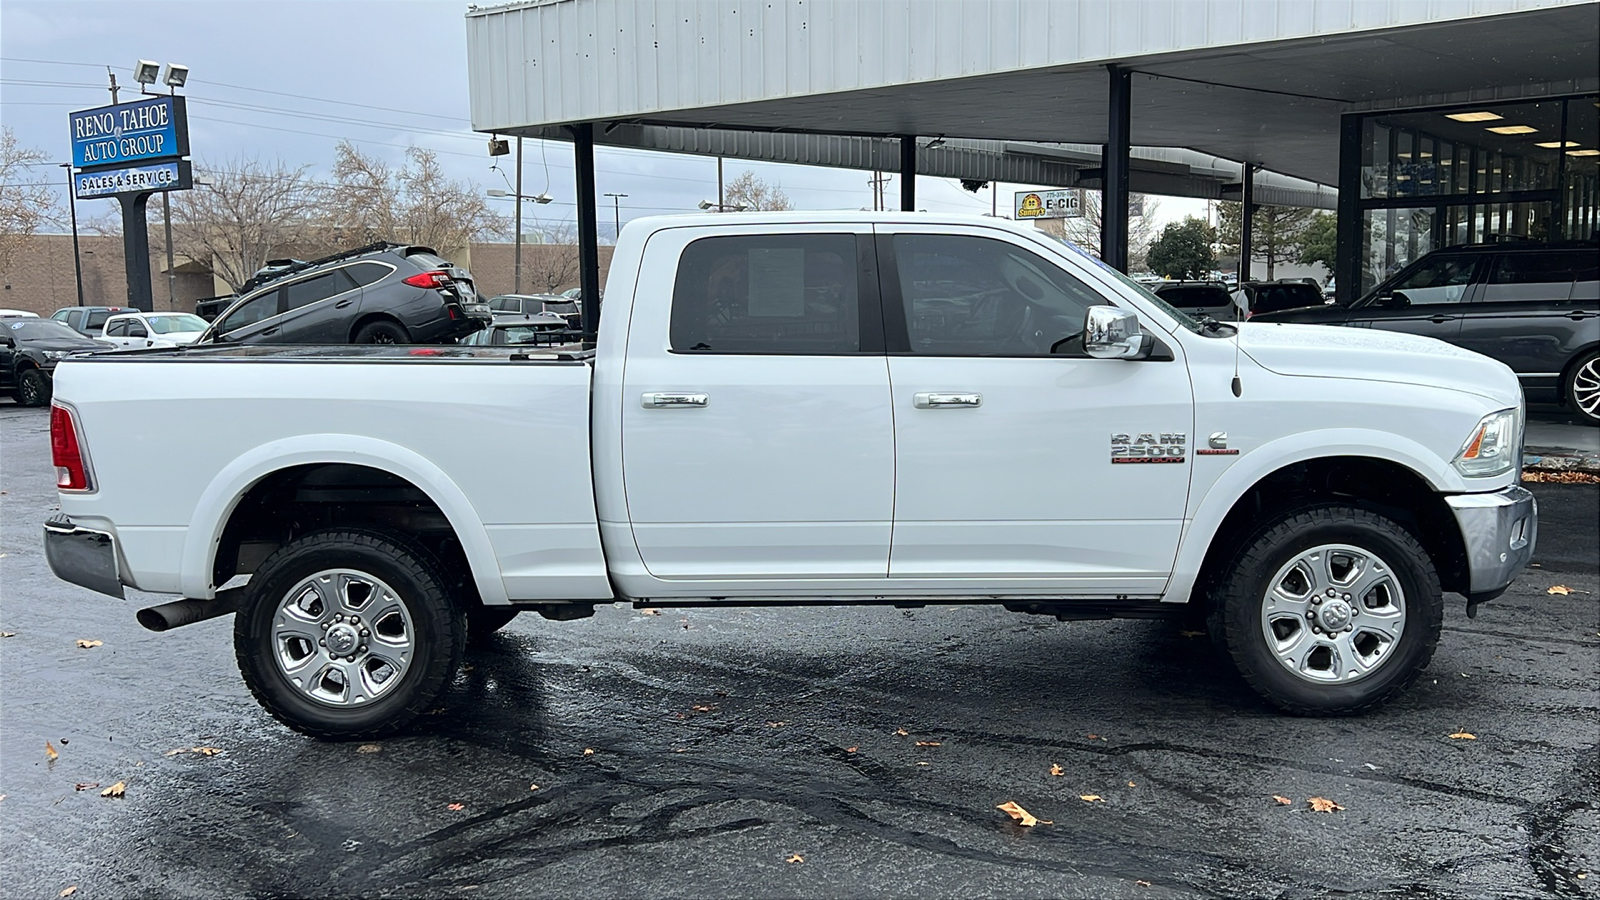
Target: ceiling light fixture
<point>1583,152</point>
<point>1474,116</point>
<point>1552,145</point>
<point>1513,129</point>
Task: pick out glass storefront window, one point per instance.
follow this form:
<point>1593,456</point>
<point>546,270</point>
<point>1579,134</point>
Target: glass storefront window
<point>1581,187</point>
<point>1419,154</point>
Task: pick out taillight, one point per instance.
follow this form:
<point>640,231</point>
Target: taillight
<point>435,279</point>
<point>71,473</point>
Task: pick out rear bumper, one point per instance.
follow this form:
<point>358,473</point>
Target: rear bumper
<point>1499,531</point>
<point>82,556</point>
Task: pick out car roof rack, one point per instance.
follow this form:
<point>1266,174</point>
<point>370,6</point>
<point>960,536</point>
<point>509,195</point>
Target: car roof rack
<point>374,247</point>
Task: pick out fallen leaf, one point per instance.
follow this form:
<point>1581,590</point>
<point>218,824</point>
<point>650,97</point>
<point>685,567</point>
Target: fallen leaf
<point>588,751</point>
<point>456,807</point>
<point>921,763</point>
<point>851,749</point>
<point>86,785</point>
<point>533,787</point>
<point>699,708</point>
<point>1131,784</point>
<point>1142,883</point>
<point>4,634</point>
<point>2,796</point>
<point>1091,798</point>
<point>901,731</point>
<point>88,645</point>
<point>1282,800</point>
<point>649,612</point>
<point>1057,770</point>
<point>1323,804</point>
<point>795,858</point>
<point>776,724</point>
<point>1559,589</point>
<point>201,751</point>
<point>1096,737</point>
<point>929,744</point>
<point>68,891</point>
<point>1464,736</point>
<point>116,790</point>
<point>50,751</point>
<point>370,748</point>
<point>1369,766</point>
<point>1025,818</point>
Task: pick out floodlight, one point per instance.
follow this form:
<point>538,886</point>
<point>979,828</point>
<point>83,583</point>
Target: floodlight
<point>145,71</point>
<point>499,146</point>
<point>496,192</point>
<point>176,75</point>
<point>706,204</point>
<point>542,199</point>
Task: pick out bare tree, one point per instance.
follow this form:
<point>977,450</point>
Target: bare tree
<point>552,262</point>
<point>27,199</point>
<point>250,212</point>
<point>750,192</point>
<point>1085,230</point>
<point>370,200</point>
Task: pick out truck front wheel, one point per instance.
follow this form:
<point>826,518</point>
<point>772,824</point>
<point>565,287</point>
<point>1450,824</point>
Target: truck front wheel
<point>1329,610</point>
<point>348,634</point>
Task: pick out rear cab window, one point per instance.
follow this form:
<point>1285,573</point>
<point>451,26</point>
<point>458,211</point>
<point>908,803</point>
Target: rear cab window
<point>767,294</point>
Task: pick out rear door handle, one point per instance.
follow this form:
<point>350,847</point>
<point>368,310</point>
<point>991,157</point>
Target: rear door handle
<point>674,400</point>
<point>1580,316</point>
<point>1441,319</point>
<point>343,303</point>
<point>946,399</point>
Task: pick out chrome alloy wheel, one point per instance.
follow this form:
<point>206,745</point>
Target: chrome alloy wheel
<point>343,637</point>
<point>1586,388</point>
<point>1333,614</point>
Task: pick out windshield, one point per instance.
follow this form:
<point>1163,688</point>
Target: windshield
<point>182,324</point>
<point>1183,318</point>
<point>43,330</point>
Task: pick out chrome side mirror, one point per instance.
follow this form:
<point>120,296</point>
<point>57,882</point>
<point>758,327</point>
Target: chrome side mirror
<point>1112,333</point>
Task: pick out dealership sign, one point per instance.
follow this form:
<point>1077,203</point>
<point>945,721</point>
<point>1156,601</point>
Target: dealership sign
<point>172,175</point>
<point>152,128</point>
<point>1048,204</point>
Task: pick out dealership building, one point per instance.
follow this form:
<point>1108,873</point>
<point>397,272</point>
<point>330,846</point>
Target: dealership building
<point>1425,124</point>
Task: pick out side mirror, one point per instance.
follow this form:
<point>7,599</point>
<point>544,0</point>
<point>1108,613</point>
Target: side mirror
<point>1112,333</point>
<point>7,341</point>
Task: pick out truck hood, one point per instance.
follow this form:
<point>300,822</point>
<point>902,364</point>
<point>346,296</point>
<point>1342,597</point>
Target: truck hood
<point>1323,351</point>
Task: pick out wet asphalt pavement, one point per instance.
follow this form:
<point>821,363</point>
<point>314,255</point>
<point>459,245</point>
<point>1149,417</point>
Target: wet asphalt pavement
<point>871,743</point>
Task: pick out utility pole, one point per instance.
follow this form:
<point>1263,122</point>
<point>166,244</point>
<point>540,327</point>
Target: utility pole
<point>516,266</point>
<point>616,213</point>
<point>72,204</point>
<point>166,221</point>
<point>722,203</point>
<point>113,76</point>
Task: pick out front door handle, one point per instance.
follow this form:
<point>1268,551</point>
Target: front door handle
<point>272,330</point>
<point>674,400</point>
<point>1440,320</point>
<point>1580,316</point>
<point>946,399</point>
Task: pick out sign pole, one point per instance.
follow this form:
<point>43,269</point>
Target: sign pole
<point>136,249</point>
<point>77,260</point>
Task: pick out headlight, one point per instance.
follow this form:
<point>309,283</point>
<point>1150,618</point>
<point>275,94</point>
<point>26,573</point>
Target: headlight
<point>55,354</point>
<point>1493,446</point>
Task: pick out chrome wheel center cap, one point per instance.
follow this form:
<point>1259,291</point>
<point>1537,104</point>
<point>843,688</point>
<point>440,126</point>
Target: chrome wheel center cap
<point>1333,615</point>
<point>343,639</point>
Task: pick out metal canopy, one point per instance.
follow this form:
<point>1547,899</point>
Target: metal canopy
<point>1267,93</point>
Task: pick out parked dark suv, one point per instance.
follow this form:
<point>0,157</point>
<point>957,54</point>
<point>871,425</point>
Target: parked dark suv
<point>383,293</point>
<point>1276,296</point>
<point>1533,306</point>
<point>29,350</point>
<point>1197,298</point>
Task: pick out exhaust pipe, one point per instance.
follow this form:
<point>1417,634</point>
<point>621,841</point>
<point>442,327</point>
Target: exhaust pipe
<point>178,613</point>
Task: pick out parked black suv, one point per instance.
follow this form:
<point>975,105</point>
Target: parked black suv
<point>1533,306</point>
<point>1197,298</point>
<point>29,350</point>
<point>383,293</point>
<point>1277,296</point>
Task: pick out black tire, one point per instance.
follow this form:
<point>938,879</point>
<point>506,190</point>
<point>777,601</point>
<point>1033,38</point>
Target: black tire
<point>436,631</point>
<point>1238,610</point>
<point>1582,388</point>
<point>484,621</point>
<point>33,388</point>
<point>382,331</point>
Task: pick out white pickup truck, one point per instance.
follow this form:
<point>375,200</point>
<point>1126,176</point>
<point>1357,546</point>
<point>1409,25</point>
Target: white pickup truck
<point>813,408</point>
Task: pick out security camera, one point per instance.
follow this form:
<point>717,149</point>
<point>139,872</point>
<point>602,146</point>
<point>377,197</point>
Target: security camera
<point>176,75</point>
<point>145,71</point>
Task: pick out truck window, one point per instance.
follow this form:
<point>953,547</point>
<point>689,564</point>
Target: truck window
<point>97,319</point>
<point>136,329</point>
<point>972,296</point>
<point>786,293</point>
<point>119,328</point>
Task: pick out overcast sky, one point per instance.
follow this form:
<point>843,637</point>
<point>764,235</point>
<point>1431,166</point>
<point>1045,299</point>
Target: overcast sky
<point>288,80</point>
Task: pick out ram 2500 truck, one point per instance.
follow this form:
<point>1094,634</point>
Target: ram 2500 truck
<point>805,409</point>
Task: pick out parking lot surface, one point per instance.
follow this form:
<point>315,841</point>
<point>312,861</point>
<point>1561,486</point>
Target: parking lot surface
<point>799,752</point>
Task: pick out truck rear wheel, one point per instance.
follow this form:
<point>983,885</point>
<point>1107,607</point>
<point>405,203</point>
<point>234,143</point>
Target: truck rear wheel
<point>1329,610</point>
<point>348,634</point>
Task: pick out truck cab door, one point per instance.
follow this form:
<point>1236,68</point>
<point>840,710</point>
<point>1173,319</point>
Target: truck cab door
<point>757,439</point>
<point>1018,469</point>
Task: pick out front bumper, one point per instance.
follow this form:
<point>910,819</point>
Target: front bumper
<point>1499,531</point>
<point>82,556</point>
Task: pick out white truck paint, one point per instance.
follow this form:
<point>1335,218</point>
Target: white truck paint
<point>887,473</point>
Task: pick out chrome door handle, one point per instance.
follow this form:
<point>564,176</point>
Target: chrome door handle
<point>674,400</point>
<point>945,399</point>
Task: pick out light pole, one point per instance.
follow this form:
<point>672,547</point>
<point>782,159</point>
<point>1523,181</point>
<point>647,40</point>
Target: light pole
<point>616,214</point>
<point>541,199</point>
<point>72,204</point>
<point>176,76</point>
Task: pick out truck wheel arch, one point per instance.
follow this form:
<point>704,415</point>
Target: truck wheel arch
<point>1315,451</point>
<point>222,497</point>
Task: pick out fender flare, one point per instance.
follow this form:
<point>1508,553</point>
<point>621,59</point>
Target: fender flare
<point>220,498</point>
<point>1249,469</point>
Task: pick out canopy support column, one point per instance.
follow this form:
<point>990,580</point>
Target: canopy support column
<point>1114,163</point>
<point>908,173</point>
<point>588,229</point>
<point>1247,215</point>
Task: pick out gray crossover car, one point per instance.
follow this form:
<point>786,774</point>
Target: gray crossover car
<point>383,293</point>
